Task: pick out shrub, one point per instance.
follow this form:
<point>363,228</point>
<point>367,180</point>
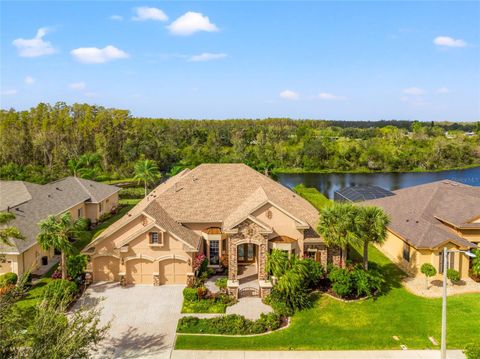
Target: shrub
<point>199,263</point>
<point>60,290</point>
<point>229,324</point>
<point>279,306</point>
<point>221,283</point>
<point>453,275</point>
<point>201,292</point>
<point>476,262</point>
<point>76,265</point>
<point>104,217</point>
<point>190,294</point>
<point>472,351</point>
<point>7,279</point>
<point>355,282</point>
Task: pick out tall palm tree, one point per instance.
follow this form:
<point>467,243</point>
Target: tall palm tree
<point>371,223</point>
<point>146,171</point>
<point>337,226</point>
<point>58,232</point>
<point>8,232</point>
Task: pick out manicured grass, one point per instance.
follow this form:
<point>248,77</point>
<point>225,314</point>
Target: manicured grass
<point>203,306</point>
<point>130,201</point>
<point>370,324</point>
<point>34,295</point>
<point>312,195</point>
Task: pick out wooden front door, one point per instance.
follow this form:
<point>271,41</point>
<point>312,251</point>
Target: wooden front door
<point>246,253</point>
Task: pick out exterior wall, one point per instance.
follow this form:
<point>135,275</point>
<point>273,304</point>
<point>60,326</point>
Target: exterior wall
<point>282,224</point>
<point>199,227</point>
<point>10,264</point>
<point>393,248</point>
<point>92,210</point>
<point>74,210</point>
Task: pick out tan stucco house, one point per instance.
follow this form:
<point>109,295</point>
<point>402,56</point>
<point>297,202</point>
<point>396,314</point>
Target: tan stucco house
<point>427,218</point>
<point>229,212</point>
<point>31,203</point>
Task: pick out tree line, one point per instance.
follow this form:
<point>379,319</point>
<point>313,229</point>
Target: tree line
<point>48,142</point>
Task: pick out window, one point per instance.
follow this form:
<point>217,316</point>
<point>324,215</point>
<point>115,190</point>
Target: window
<point>406,252</point>
<point>154,238</point>
<point>214,252</point>
<point>450,262</point>
<point>80,212</point>
<point>100,207</point>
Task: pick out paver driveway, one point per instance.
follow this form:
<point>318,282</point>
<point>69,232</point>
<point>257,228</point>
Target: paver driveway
<point>143,318</point>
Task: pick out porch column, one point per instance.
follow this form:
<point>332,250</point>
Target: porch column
<point>232,260</point>
<point>262,262</point>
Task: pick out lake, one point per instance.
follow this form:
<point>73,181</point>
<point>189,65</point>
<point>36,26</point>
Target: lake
<point>328,183</point>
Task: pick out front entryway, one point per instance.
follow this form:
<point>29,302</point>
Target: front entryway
<point>246,253</point>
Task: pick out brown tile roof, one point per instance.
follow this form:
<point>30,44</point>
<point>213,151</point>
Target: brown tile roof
<point>415,212</point>
<point>220,193</point>
<point>282,239</point>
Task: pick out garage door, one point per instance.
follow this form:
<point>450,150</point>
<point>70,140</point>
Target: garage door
<point>105,269</point>
<point>140,271</point>
<point>173,271</point>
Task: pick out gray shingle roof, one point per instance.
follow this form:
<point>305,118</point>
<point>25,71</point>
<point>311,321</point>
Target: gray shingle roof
<point>415,212</point>
<point>50,199</point>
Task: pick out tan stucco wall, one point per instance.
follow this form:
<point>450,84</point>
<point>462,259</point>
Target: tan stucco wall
<point>93,209</point>
<point>393,248</point>
<point>282,224</point>
<point>74,210</point>
<point>28,260</point>
<point>10,264</point>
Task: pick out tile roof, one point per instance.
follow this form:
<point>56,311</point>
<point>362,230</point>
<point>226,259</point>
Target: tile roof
<point>44,200</point>
<point>417,212</point>
<point>220,193</point>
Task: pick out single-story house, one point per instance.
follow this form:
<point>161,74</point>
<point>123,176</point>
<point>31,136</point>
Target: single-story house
<point>31,203</point>
<point>229,212</point>
<point>427,218</point>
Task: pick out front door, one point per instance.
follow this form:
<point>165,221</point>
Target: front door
<point>246,253</point>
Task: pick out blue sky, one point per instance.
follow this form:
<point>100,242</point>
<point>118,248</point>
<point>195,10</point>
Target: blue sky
<point>319,60</point>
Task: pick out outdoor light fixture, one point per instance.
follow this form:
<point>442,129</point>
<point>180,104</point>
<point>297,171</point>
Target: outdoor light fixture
<point>444,300</point>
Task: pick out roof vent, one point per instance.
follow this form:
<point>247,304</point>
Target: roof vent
<point>58,189</point>
<point>49,196</point>
<point>407,220</point>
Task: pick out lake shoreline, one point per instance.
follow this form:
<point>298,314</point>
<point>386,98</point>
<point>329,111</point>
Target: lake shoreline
<point>366,171</point>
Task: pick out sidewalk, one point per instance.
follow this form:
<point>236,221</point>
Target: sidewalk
<point>357,354</point>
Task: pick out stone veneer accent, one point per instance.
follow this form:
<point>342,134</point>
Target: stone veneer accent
<point>327,255</point>
<point>248,232</point>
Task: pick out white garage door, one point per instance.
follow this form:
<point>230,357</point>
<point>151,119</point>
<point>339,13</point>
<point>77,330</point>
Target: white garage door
<point>173,271</point>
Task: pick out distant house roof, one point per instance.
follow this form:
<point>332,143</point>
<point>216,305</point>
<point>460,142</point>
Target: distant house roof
<point>31,203</point>
<point>361,193</point>
<point>419,214</point>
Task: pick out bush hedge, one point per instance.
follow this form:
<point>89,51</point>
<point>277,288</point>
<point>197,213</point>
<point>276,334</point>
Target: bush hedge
<point>230,324</point>
<point>355,282</point>
<point>60,290</point>
<point>8,279</point>
<point>472,351</point>
<point>190,294</point>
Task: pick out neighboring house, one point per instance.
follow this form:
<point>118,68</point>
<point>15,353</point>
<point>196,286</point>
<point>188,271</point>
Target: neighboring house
<point>31,203</point>
<point>427,218</point>
<point>230,212</point>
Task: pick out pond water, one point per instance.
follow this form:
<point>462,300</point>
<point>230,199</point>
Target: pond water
<point>328,183</point>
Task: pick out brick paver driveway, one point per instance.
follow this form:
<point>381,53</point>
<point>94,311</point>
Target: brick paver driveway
<point>143,318</point>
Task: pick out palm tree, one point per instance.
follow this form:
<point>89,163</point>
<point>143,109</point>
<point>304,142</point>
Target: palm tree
<point>74,165</point>
<point>58,232</point>
<point>146,171</point>
<point>371,223</point>
<point>7,232</point>
<point>337,226</point>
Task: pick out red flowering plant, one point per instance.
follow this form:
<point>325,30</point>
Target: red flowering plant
<point>197,262</point>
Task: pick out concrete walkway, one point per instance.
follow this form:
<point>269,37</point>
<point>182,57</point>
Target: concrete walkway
<point>250,308</point>
<point>356,354</point>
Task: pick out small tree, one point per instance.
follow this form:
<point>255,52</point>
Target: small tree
<point>429,271</point>
<point>146,171</point>
<point>59,232</point>
<point>453,275</point>
<point>8,232</point>
<point>476,263</point>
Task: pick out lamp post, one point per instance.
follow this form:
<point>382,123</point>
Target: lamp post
<point>444,300</point>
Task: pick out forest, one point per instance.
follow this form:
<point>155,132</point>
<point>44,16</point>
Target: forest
<point>40,145</point>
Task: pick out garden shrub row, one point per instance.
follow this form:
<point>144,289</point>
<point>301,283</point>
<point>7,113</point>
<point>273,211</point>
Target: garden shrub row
<point>232,324</point>
<point>7,279</point>
<point>355,282</point>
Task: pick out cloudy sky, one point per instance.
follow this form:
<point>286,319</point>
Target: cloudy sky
<point>334,60</point>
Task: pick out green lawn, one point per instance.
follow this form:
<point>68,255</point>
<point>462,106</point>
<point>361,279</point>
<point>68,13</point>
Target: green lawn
<point>203,306</point>
<point>312,195</point>
<point>369,324</point>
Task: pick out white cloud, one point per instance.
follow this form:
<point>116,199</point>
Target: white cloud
<point>415,91</point>
<point>443,90</point>
<point>449,41</point>
<point>289,95</point>
<point>94,55</point>
<point>329,97</point>
<point>149,13</point>
<point>77,85</point>
<point>207,56</point>
<point>29,80</point>
<point>9,92</point>
<point>34,47</point>
<point>116,17</point>
<point>190,23</point>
